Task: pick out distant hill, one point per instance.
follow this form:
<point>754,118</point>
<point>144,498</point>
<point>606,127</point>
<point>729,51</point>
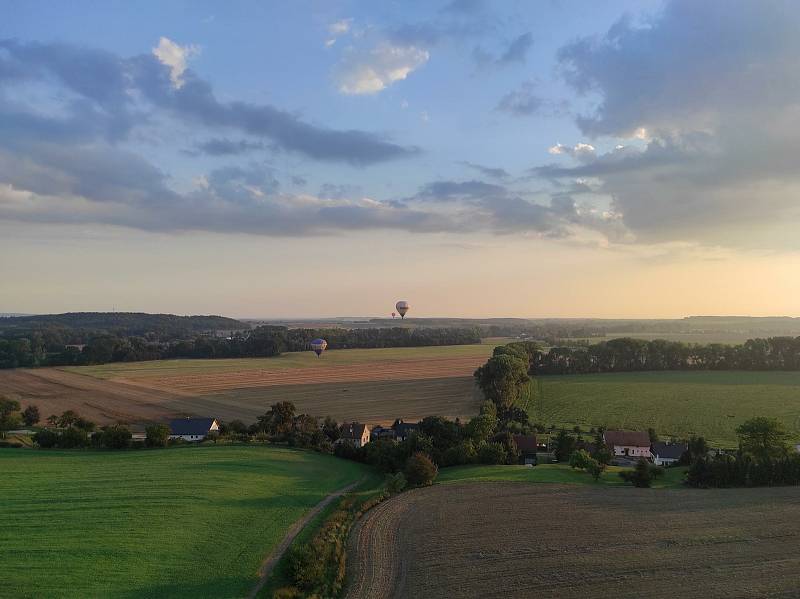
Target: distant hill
<point>125,323</point>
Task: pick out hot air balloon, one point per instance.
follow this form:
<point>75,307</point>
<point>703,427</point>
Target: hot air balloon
<point>393,315</point>
<point>402,307</point>
<point>319,346</point>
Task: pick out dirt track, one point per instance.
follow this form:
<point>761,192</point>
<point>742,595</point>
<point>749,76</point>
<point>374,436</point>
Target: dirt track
<point>522,540</point>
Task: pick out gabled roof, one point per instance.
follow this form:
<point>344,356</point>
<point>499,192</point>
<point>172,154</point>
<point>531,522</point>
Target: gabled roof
<point>629,438</point>
<point>354,430</point>
<point>403,429</point>
<point>191,426</point>
<point>668,450</point>
<point>525,442</point>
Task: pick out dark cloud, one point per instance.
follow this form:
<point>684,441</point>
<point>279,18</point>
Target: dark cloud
<point>516,52</point>
<point>456,190</point>
<point>228,147</point>
<point>487,171</point>
<point>522,101</point>
<point>112,84</point>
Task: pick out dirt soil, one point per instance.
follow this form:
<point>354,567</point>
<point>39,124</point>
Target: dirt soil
<point>521,540</point>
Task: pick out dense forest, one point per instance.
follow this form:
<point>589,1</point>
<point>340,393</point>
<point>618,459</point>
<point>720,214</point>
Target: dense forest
<point>56,346</point>
<point>631,355</point>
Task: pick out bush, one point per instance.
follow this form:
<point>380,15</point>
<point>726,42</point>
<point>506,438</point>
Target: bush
<point>420,470</point>
<point>46,439</point>
<point>643,475</point>
<point>580,459</point>
<point>492,453</point>
<point>73,438</point>
<point>115,436</point>
<point>463,453</point>
<point>395,483</point>
<point>157,435</point>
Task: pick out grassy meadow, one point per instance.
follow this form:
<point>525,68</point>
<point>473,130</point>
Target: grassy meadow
<point>194,521</point>
<point>677,404</point>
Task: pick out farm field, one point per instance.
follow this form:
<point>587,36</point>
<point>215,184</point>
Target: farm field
<point>725,337</point>
<point>194,521</point>
<point>371,385</point>
<point>677,404</point>
<point>577,541</point>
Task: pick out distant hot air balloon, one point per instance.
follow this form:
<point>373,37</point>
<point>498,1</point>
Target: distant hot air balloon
<point>402,307</point>
<point>319,346</point>
<point>393,314</point>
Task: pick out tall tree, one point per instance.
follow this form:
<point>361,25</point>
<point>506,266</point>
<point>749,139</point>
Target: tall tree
<point>763,438</point>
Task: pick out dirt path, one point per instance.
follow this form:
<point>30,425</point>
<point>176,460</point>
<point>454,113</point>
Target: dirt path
<point>274,557</point>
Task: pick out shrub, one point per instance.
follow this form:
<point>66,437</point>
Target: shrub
<point>420,470</point>
<point>580,459</point>
<point>115,436</point>
<point>492,453</point>
<point>642,475</point>
<point>46,439</point>
<point>73,438</point>
<point>157,435</point>
<point>395,483</point>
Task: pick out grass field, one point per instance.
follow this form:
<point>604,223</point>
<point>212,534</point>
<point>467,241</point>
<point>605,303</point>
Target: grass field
<point>550,473</point>
<point>504,539</point>
<point>677,404</point>
<point>194,521</point>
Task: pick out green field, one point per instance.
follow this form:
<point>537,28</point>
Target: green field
<point>194,521</point>
<point>288,360</point>
<point>711,404</point>
<point>549,473</point>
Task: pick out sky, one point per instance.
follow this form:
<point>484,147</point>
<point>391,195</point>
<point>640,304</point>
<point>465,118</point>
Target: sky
<point>328,158</point>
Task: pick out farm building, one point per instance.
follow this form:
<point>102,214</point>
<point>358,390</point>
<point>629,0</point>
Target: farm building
<point>355,433</point>
<point>667,454</point>
<point>193,429</point>
<point>382,432</point>
<point>527,446</point>
<point>403,430</point>
<point>634,444</point>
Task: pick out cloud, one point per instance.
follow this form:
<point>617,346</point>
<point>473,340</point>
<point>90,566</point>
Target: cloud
<point>175,57</point>
<point>486,171</point>
<point>371,72</point>
<point>515,52</point>
<point>581,151</point>
<point>228,147</point>
<point>711,89</point>
<point>115,94</point>
<point>522,101</point>
<point>337,29</point>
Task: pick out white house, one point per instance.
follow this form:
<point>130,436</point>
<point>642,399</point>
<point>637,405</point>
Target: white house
<point>667,454</point>
<point>192,429</point>
<point>633,444</point>
<point>354,433</point>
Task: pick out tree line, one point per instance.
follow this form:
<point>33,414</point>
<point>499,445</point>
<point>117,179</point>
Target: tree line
<point>632,355</point>
<point>50,349</point>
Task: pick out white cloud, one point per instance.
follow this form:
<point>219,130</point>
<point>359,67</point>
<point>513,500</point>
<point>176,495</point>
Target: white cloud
<point>339,27</point>
<point>381,67</point>
<point>175,57</point>
<point>581,151</point>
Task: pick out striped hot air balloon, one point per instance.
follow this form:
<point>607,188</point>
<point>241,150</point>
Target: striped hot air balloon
<point>319,346</point>
<point>402,307</point>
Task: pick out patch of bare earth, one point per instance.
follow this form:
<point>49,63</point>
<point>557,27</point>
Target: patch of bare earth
<point>523,540</point>
<point>54,391</point>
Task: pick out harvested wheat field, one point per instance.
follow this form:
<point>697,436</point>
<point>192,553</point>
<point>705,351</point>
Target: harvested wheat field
<point>522,540</point>
<point>371,385</point>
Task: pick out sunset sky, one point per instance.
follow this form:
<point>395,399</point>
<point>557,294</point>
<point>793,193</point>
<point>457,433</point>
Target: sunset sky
<point>325,158</point>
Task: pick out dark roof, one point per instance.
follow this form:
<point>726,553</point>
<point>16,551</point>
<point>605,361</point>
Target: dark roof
<point>403,429</point>
<point>631,438</point>
<point>191,426</point>
<point>354,430</point>
<point>525,442</point>
<point>669,450</point>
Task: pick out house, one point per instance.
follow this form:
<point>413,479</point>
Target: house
<point>667,454</point>
<point>527,446</point>
<point>403,430</point>
<point>193,429</point>
<point>354,433</point>
<point>634,444</point>
<point>382,432</point>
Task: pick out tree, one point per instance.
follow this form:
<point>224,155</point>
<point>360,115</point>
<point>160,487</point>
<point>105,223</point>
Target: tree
<point>565,445</point>
<point>501,379</point>
<point>115,436</point>
<point>642,475</point>
<point>653,434</point>
<point>480,428</point>
<point>157,435</point>
<point>395,483</point>
<point>595,468</point>
<point>420,470</point>
<point>279,420</point>
<point>580,459</point>
<point>492,453</point>
<point>9,418</point>
<point>73,438</point>
<point>46,439</point>
<point>30,415</point>
<point>763,438</point>
<point>68,418</point>
<point>52,420</point>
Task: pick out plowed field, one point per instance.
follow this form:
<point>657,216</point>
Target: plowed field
<point>522,540</point>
